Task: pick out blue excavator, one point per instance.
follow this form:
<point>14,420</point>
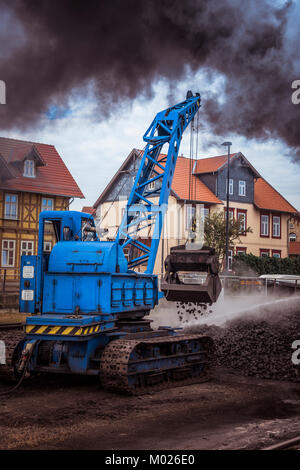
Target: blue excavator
<point>89,306</point>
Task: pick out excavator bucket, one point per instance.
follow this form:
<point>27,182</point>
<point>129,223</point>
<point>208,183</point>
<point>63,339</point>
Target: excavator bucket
<point>177,287</point>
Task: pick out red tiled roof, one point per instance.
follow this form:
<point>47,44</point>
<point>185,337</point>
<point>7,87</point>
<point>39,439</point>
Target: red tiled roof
<point>52,175</point>
<point>88,209</point>
<point>266,197</point>
<point>294,248</point>
<point>211,164</point>
<point>180,184</point>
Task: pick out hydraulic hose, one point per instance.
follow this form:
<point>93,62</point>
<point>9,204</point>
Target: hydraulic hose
<point>22,377</point>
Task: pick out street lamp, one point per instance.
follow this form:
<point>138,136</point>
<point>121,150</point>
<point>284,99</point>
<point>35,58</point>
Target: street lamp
<point>227,144</point>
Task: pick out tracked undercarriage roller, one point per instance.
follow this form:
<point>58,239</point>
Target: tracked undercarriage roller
<point>182,260</point>
<point>138,366</point>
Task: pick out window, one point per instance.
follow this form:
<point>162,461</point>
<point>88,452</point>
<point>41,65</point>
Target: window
<point>241,250</point>
<point>11,206</point>
<point>8,253</point>
<point>276,226</point>
<point>292,237</point>
<point>264,252</point>
<point>230,260</point>
<point>242,217</point>
<point>230,186</point>
<point>264,225</point>
<point>190,214</point>
<point>29,170</point>
<point>47,246</point>
<point>231,213</point>
<point>276,253</point>
<point>151,186</point>
<point>67,232</point>
<point>204,212</point>
<point>47,204</point>
<point>242,188</point>
<point>26,248</point>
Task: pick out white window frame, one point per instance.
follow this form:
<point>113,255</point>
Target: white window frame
<point>47,199</point>
<point>29,169</point>
<point>50,246</point>
<point>276,233</point>
<point>205,212</point>
<point>243,251</point>
<point>264,225</point>
<point>13,248</point>
<point>151,186</point>
<point>230,212</point>
<point>242,215</point>
<point>292,237</point>
<point>230,186</point>
<point>190,213</point>
<point>276,255</point>
<point>10,205</point>
<point>242,188</point>
<point>230,259</point>
<point>25,250</point>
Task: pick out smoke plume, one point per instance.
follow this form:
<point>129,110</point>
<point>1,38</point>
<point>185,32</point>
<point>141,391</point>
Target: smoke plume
<point>120,48</point>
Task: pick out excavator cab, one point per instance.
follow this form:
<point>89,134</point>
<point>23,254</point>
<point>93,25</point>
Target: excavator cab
<point>181,287</point>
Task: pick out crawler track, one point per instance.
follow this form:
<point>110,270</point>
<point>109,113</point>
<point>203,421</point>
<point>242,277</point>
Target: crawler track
<point>136,367</point>
<point>11,334</point>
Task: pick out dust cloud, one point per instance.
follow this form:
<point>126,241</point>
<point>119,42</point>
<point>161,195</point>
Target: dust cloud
<point>259,306</point>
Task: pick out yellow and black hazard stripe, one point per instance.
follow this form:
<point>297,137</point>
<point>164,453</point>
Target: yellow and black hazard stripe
<point>62,330</point>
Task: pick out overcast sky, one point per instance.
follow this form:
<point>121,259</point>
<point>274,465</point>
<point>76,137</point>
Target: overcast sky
<point>93,147</point>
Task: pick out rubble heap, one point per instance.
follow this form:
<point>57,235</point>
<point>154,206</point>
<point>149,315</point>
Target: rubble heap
<point>259,345</point>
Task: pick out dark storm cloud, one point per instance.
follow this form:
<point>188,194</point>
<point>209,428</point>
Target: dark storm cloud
<point>123,46</point>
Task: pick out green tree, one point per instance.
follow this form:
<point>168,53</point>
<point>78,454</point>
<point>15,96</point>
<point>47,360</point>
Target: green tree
<point>215,233</point>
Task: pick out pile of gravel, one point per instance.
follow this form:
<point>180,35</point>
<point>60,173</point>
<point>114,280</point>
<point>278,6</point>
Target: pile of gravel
<point>259,344</point>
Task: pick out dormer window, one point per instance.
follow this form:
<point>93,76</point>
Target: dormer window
<point>29,170</point>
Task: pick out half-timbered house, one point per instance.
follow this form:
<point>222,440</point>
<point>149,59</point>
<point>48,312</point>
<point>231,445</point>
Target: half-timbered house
<point>33,178</point>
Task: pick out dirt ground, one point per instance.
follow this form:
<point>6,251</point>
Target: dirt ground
<point>230,412</point>
<point>12,316</point>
